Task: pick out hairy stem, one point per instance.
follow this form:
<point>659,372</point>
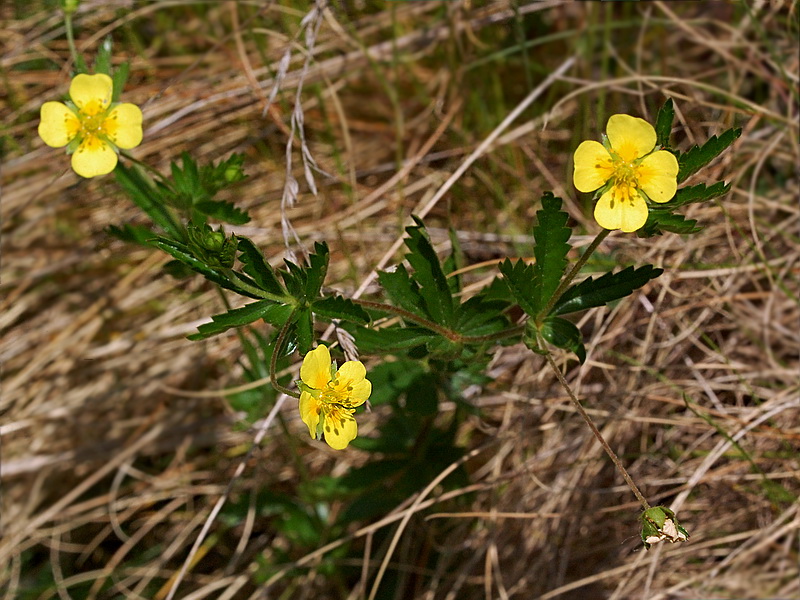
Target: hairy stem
<point>611,454</point>
<point>273,362</point>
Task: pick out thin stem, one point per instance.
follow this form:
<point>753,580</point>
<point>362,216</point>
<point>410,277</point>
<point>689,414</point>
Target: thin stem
<point>73,50</point>
<point>273,362</point>
<point>611,454</point>
<point>562,287</point>
<point>443,331</point>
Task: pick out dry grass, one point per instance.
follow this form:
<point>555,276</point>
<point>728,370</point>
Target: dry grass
<point>109,475</point>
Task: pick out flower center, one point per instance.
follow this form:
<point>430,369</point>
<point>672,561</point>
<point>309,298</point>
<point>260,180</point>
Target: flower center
<point>92,124</point>
<point>626,173</point>
<point>335,393</point>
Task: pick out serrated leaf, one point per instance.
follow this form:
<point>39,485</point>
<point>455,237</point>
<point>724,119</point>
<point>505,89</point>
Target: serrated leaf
<point>428,274</point>
<point>339,307</point>
<point>402,291</point>
<point>146,197</point>
<point>454,262</point>
<point>182,253</point>
<point>478,316</point>
<point>263,309</point>
<point>563,334</point>
<point>607,288</point>
<point>695,159</point>
<point>102,61</point>
<point>304,329</point>
<point>696,193</point>
<point>222,211</point>
<point>659,221</point>
<point>666,115</point>
<point>521,281</point>
<point>389,339</point>
<point>552,245</point>
<point>257,267</point>
<point>316,270</point>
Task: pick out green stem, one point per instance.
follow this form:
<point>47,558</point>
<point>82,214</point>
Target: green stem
<point>273,362</point>
<point>565,283</point>
<point>451,335</point>
<point>73,50</point>
<point>259,293</point>
<point>599,436</point>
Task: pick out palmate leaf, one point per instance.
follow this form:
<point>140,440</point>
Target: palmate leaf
<point>305,283</point>
<point>607,288</point>
<point>182,253</point>
<point>268,310</point>
<point>257,267</point>
<point>666,115</point>
<point>695,159</point>
<point>552,245</point>
<point>339,307</point>
<point>428,274</point>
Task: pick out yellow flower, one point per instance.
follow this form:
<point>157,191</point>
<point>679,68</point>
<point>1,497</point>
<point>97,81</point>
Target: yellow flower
<point>328,397</point>
<point>91,126</point>
<point>628,170</point>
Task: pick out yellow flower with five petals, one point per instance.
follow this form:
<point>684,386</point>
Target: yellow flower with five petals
<point>328,397</point>
<point>90,125</point>
<point>629,172</point>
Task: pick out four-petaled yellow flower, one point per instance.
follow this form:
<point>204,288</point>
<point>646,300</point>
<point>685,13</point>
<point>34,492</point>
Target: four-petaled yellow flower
<point>328,397</point>
<point>91,126</point>
<point>629,172</point>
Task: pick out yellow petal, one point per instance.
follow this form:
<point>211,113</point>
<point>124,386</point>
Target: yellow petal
<point>593,166</point>
<point>91,93</point>
<point>309,412</point>
<point>58,124</point>
<point>123,125</point>
<point>340,427</point>
<point>617,210</point>
<point>630,137</point>
<point>316,369</point>
<point>657,175</point>
<point>94,157</point>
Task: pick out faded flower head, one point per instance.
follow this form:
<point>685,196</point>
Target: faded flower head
<point>329,396</point>
<point>91,126</point>
<point>660,524</point>
<point>628,171</point>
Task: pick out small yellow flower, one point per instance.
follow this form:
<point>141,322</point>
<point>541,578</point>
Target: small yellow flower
<point>628,170</point>
<point>91,126</point>
<point>328,397</point>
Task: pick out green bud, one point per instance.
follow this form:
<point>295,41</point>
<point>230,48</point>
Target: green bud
<point>70,6</point>
<point>659,524</point>
<point>212,247</point>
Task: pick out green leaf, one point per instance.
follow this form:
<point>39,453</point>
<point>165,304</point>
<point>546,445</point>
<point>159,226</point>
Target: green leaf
<point>102,61</point>
<point>552,246</point>
<point>133,234</point>
<point>182,253</point>
<point>428,274</point>
<point>607,288</point>
<point>391,379</point>
<point>222,211</point>
<point>257,267</point>
<point>118,79</point>
<point>564,334</point>
<point>666,115</point>
<point>522,283</point>
<point>304,320</point>
<point>659,221</point>
<point>390,339</point>
<point>263,309</point>
<point>316,270</point>
<point>479,316</point>
<point>339,307</point>
<point>454,262</point>
<point>146,197</point>
<point>695,159</point>
<point>402,291</point>
<point>696,193</point>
